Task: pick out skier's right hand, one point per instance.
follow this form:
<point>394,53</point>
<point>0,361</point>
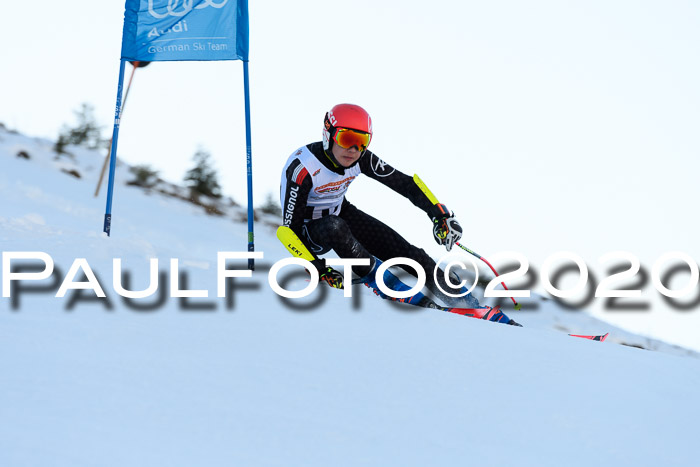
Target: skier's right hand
<point>332,277</point>
<point>327,274</point>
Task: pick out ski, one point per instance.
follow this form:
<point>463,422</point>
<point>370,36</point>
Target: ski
<point>486,312</point>
<point>295,246</point>
<point>421,300</point>
<point>600,338</point>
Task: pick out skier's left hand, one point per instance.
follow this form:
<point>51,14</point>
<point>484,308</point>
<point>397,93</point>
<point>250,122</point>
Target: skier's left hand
<point>446,229</point>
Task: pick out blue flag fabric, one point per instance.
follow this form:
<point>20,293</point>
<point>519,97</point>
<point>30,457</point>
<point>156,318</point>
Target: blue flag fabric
<point>174,30</point>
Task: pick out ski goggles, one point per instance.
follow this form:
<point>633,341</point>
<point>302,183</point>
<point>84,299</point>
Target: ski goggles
<point>346,138</point>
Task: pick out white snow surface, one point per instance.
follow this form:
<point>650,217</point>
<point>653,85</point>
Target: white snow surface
<point>250,381</point>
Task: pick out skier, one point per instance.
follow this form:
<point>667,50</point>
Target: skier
<point>314,182</point>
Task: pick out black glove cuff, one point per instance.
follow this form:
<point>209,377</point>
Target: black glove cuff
<point>438,211</point>
<point>320,265</point>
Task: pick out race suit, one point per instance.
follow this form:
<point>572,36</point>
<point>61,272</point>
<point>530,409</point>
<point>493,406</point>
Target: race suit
<point>314,206</point>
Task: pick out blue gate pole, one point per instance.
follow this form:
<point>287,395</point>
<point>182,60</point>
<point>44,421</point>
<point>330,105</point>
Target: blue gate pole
<point>113,151</point>
<point>249,164</point>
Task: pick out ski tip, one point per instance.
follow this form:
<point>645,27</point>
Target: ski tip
<point>600,338</point>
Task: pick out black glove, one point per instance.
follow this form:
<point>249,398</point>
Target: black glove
<point>327,274</point>
<point>446,229</point>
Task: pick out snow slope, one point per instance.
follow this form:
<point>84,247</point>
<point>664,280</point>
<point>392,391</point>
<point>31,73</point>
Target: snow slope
<point>250,380</point>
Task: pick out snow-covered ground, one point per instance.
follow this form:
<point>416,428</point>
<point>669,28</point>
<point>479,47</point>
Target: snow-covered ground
<point>252,380</point>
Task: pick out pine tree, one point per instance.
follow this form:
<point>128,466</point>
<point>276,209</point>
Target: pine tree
<point>145,176</point>
<point>271,206</point>
<point>202,178</point>
<point>85,133</point>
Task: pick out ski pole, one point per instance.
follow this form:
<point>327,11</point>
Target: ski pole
<point>517,305</point>
<point>109,150</point>
<point>423,187</point>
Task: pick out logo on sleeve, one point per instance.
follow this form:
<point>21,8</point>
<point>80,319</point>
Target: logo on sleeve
<point>380,168</point>
<point>291,203</point>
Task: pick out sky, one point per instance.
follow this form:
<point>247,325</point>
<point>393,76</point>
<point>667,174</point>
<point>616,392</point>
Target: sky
<point>545,125</point>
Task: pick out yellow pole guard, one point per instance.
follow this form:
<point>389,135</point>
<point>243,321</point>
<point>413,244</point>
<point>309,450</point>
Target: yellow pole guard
<point>425,189</point>
<point>293,244</point>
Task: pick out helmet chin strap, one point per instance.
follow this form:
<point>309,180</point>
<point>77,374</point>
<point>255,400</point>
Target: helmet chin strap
<point>331,157</point>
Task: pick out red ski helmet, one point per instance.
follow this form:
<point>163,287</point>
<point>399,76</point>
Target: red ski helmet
<point>350,116</point>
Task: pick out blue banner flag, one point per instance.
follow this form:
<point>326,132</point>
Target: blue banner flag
<point>174,30</point>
